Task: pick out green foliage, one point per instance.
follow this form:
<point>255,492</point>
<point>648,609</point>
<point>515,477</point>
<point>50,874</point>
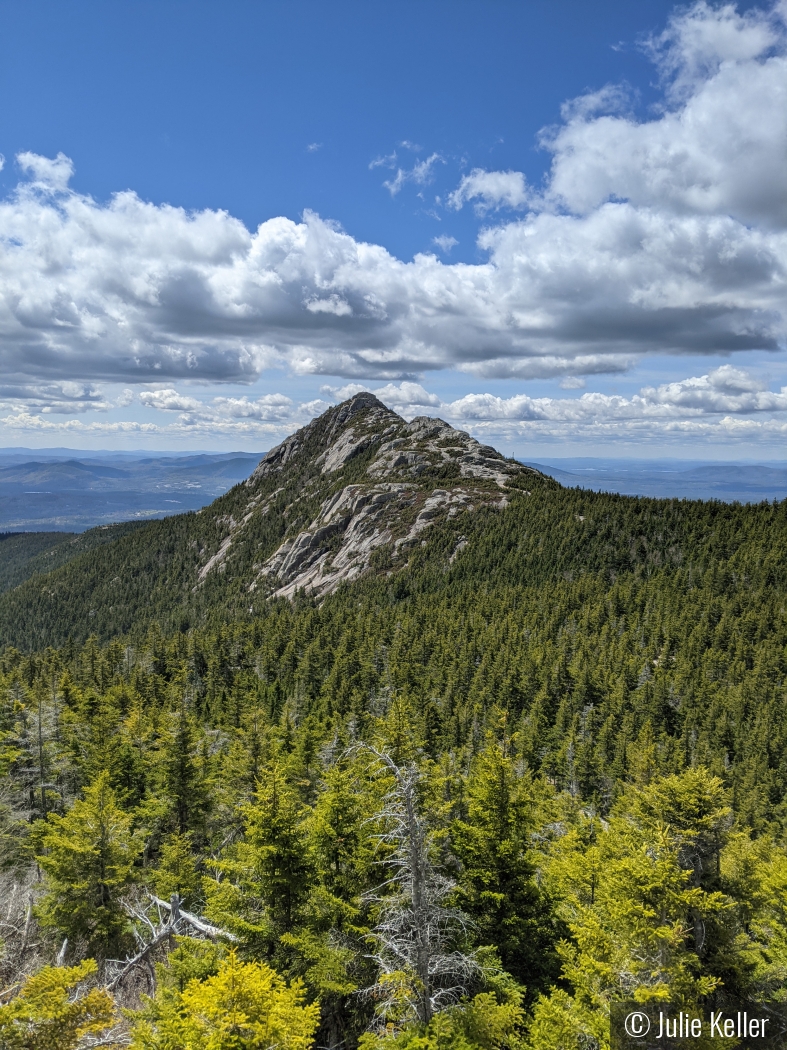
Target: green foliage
<point>631,894</point>
<point>88,859</point>
<point>266,875</point>
<point>244,1006</point>
<point>54,1010</point>
<point>590,692</point>
<point>497,888</point>
<point>177,870</point>
<point>27,554</point>
<point>486,1022</point>
<point>753,957</point>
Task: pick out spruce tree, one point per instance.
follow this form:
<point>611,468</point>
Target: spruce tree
<point>496,884</point>
<point>88,859</point>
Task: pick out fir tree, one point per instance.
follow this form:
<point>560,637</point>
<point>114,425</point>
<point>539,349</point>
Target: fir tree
<point>88,858</point>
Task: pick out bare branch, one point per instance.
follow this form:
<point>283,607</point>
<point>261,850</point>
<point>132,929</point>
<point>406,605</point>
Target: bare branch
<point>214,932</point>
<point>418,935</point>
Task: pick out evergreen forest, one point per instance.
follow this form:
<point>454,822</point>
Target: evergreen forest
<point>470,800</point>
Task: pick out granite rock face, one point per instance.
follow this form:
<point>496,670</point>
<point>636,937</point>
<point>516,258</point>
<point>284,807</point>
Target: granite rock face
<point>355,490</point>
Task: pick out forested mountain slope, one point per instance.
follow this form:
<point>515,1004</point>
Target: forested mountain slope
<point>355,489</point>
<point>463,756</point>
<point>27,554</point>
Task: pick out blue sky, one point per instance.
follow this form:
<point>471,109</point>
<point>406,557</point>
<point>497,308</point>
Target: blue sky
<point>560,225</point>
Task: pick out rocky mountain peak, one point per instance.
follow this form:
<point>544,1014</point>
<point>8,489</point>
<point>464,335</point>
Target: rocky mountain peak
<point>360,485</point>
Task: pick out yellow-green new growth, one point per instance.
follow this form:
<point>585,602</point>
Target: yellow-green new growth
<point>245,1006</point>
<point>53,1013</point>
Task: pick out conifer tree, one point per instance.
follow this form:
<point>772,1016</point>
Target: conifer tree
<point>496,884</point>
<point>330,948</point>
<point>244,1006</point>
<point>183,787</point>
<point>88,858</point>
<point>632,906</point>
<point>54,1011</point>
<point>265,876</point>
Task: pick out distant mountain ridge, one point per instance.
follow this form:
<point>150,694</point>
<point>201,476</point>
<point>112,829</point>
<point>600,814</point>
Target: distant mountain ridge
<point>40,492</point>
<point>673,479</point>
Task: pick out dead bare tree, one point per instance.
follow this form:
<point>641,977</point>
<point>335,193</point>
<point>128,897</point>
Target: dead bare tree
<point>23,950</point>
<point>418,936</point>
<point>154,923</point>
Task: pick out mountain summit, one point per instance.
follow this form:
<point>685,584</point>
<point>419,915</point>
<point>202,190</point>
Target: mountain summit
<point>352,493</point>
<point>371,481</point>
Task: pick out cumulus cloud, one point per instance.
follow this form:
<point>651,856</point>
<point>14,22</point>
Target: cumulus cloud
<point>719,150</point>
<point>333,304</point>
<point>169,400</point>
<point>666,234</point>
<point>727,403</point>
<point>270,408</point>
<point>698,41</point>
<point>491,189</point>
<point>49,175</point>
<point>57,398</point>
<point>405,396</point>
<point>724,404</point>
<point>724,390</point>
<point>27,422</point>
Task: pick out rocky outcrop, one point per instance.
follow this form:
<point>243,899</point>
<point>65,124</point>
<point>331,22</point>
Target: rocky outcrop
<point>357,516</point>
<point>428,443</point>
<point>411,476</point>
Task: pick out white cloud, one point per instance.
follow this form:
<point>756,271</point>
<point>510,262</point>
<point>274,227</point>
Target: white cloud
<point>270,408</point>
<point>698,41</point>
<point>342,393</point>
<point>332,305</point>
<point>398,396</point>
<point>27,422</point>
<point>169,400</point>
<point>665,235</point>
<point>421,173</point>
<point>721,150</point>
<point>49,175</point>
<point>724,390</point>
<point>491,189</point>
<point>726,404</point>
<point>54,398</point>
<point>407,396</point>
<point>445,242</point>
<point>268,413</point>
<point>387,160</point>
